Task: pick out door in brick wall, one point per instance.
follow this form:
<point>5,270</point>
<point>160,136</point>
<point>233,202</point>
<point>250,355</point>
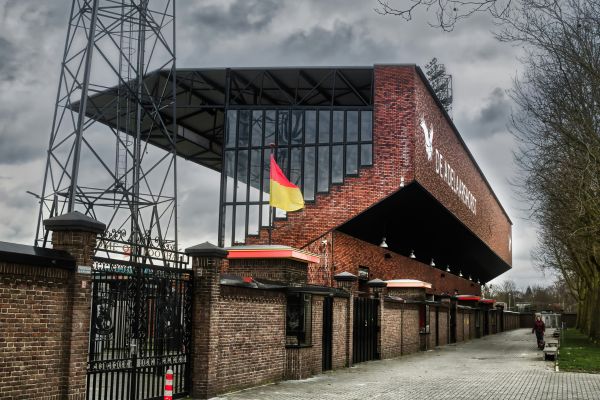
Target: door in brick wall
<point>366,330</point>
<point>140,328</point>
<point>327,332</point>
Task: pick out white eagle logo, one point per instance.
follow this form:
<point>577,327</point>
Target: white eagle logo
<point>428,133</point>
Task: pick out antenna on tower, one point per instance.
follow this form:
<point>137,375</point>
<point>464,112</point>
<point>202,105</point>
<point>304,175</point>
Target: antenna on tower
<point>118,66</point>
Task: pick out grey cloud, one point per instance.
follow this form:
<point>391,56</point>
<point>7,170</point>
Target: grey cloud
<point>344,42</point>
<point>7,60</point>
<point>242,16</point>
<point>491,118</point>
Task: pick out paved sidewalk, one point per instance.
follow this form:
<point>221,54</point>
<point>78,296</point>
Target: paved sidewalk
<point>506,366</point>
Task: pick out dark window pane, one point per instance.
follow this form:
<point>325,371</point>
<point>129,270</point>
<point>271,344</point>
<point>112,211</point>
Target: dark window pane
<point>283,128</point>
<point>352,126</point>
<point>281,157</point>
<point>255,170</point>
<point>270,124</point>
<point>265,214</point>
<point>297,125</point>
<point>366,154</point>
<point>352,159</point>
<point>337,164</point>
<point>257,125</point>
<point>240,224</point>
<point>338,126</point>
<point>323,173</point>
<point>229,172</point>
<point>310,122</point>
<point>242,175</point>
<point>253,220</point>
<point>309,173</point>
<point>228,226</point>
<point>266,176</point>
<point>324,126</point>
<point>231,128</point>
<point>296,165</point>
<point>244,129</point>
<point>366,126</point>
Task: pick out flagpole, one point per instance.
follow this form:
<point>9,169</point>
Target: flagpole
<point>271,211</point>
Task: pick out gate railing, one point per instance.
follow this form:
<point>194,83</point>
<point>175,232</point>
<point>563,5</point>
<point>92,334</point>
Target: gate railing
<point>140,327</point>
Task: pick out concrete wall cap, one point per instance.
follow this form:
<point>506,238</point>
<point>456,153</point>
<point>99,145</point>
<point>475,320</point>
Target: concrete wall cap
<point>376,283</point>
<point>206,249</point>
<point>345,277</point>
<point>74,221</point>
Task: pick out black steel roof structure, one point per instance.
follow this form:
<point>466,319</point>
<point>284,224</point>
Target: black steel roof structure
<point>203,94</point>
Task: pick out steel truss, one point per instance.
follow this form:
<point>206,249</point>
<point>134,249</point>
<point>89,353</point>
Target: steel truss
<point>108,171</point>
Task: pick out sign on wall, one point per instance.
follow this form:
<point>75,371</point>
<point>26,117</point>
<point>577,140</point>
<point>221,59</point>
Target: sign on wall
<point>445,171</point>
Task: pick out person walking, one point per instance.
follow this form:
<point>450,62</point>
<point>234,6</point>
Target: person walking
<point>539,328</point>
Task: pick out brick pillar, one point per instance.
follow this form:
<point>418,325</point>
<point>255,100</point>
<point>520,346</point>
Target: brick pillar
<point>348,282</point>
<point>76,234</point>
<point>206,264</point>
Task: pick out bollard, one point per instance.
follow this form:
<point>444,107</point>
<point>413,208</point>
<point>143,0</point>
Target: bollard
<point>169,385</point>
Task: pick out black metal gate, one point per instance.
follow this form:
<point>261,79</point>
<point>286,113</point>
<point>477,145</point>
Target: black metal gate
<point>140,327</point>
<point>366,329</point>
<point>327,332</point>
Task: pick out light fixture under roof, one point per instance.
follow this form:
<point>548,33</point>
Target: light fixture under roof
<point>432,263</point>
<point>448,268</point>
<point>383,243</point>
<point>460,273</point>
<point>412,254</point>
<point>478,282</point>
<point>470,278</point>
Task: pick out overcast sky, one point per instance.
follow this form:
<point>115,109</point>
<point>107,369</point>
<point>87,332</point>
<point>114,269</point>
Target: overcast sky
<point>260,33</point>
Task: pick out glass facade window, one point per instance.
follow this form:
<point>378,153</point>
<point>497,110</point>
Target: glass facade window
<point>315,149</point>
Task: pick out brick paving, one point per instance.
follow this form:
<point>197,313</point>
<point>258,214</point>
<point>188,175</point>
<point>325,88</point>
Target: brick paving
<point>506,366</point>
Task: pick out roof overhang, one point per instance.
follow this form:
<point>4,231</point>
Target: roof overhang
<point>203,94</point>
<point>271,252</point>
<point>407,283</point>
<point>412,220</point>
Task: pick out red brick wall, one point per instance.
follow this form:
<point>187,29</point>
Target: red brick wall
<point>511,321</point>
<point>251,338</point>
<point>349,253</point>
<point>34,331</point>
<point>460,325</point>
<point>431,336</point>
<point>279,270</point>
<point>340,326</point>
<point>304,362</point>
<point>443,328</point>
<point>391,329</point>
<point>489,222</point>
<point>393,130</point>
<point>410,329</point>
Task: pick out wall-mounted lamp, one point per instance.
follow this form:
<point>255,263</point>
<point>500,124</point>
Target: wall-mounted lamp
<point>383,243</point>
<point>432,263</point>
<point>412,254</point>
<point>470,278</point>
<point>448,268</point>
<point>460,273</point>
<point>479,283</point>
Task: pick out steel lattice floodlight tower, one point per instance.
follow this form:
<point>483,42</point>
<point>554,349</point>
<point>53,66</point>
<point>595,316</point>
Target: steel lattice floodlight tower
<point>119,61</point>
